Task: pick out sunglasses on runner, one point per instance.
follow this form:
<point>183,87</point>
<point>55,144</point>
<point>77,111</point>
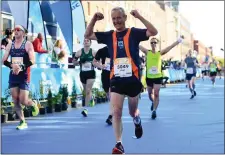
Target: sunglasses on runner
<point>152,43</point>
<point>17,29</point>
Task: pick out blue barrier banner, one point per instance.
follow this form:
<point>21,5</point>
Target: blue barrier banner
<point>78,22</point>
<point>36,24</point>
<point>42,60</point>
<point>64,20</point>
<point>53,78</point>
<point>166,73</point>
<point>172,77</point>
<point>49,76</point>
<point>175,75</point>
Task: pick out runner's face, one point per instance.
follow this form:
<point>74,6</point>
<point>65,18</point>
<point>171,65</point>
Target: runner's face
<point>87,43</point>
<point>119,19</point>
<point>153,43</point>
<point>190,53</point>
<point>18,32</point>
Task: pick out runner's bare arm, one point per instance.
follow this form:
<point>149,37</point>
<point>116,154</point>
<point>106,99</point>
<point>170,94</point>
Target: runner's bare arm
<point>97,64</point>
<point>94,52</point>
<point>89,34</point>
<point>143,49</point>
<point>77,56</point>
<point>30,50</point>
<point>197,64</point>
<point>209,63</point>
<point>151,30</point>
<point>5,61</point>
<point>167,49</point>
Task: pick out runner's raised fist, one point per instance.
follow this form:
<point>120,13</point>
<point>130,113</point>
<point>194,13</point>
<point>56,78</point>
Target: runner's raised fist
<point>180,39</point>
<point>135,13</point>
<point>98,16</point>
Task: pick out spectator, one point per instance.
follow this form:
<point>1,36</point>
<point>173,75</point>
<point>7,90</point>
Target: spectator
<point>165,78</point>
<point>37,43</point>
<point>7,38</point>
<point>58,54</point>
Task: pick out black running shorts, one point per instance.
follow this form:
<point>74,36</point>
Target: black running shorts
<point>105,77</point>
<point>130,89</point>
<point>189,76</point>
<point>150,82</point>
<point>213,73</point>
<point>204,72</point>
<point>84,76</point>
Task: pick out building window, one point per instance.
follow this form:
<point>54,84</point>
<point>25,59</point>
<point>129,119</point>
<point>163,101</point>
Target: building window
<point>89,8</point>
<point>7,23</point>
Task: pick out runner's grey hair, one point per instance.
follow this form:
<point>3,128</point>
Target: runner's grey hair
<point>119,9</point>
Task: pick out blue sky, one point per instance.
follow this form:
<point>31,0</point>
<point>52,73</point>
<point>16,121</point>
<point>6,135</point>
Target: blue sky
<point>207,22</point>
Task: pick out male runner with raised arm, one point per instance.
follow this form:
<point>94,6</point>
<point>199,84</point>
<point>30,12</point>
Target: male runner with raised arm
<point>154,76</point>
<point>124,66</point>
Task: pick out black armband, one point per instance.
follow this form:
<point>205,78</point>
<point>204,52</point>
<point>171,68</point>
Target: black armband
<point>76,58</point>
<point>7,64</point>
<point>28,64</point>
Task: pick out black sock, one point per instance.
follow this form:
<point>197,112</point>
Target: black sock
<point>191,90</point>
<point>110,117</point>
<point>193,86</point>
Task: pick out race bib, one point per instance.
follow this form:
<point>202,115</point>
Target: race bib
<point>153,70</point>
<point>86,66</point>
<point>17,60</point>
<point>122,67</point>
<point>107,64</point>
<point>212,69</point>
<point>190,71</point>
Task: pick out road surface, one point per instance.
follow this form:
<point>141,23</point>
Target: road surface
<point>182,126</point>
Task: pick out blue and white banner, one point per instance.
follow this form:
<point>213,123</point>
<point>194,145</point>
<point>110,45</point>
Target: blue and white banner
<point>78,23</point>
<point>36,24</point>
<point>19,10</point>
<point>62,13</point>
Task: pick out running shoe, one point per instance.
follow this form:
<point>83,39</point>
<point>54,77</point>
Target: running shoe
<point>138,127</point>
<point>109,120</point>
<point>154,115</point>
<point>195,93</point>
<point>118,149</point>
<point>35,109</point>
<point>22,125</point>
<point>84,112</point>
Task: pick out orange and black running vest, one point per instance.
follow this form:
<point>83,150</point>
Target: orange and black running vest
<point>124,68</point>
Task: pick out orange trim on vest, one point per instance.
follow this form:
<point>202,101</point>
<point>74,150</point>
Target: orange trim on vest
<point>127,50</point>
